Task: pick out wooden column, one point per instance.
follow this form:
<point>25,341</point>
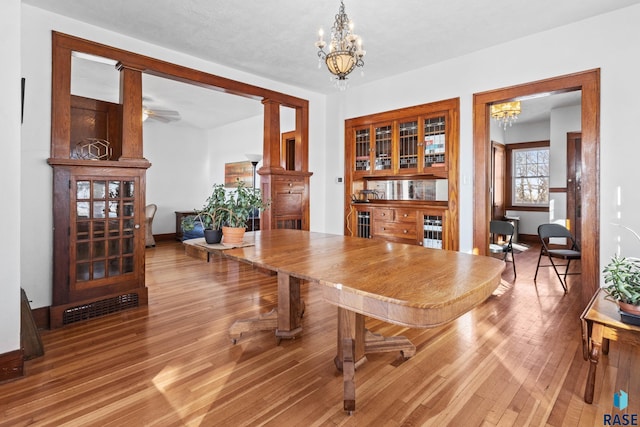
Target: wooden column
<point>302,138</point>
<point>271,147</point>
<point>60,101</point>
<point>131,100</point>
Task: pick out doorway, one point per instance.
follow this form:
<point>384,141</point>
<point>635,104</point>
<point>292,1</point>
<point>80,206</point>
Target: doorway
<point>589,83</point>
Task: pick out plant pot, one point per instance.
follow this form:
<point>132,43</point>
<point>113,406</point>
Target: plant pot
<point>628,308</point>
<point>212,236</point>
<point>232,236</point>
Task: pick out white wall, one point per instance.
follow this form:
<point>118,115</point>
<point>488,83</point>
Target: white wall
<point>230,143</point>
<point>178,179</point>
<point>528,132</point>
<point>36,187</point>
<point>10,177</point>
<point>573,48</point>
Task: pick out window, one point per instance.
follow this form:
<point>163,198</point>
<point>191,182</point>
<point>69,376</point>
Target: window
<point>528,174</point>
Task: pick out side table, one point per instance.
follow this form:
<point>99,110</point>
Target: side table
<point>601,323</point>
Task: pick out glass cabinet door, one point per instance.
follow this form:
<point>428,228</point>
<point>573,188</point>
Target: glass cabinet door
<point>383,147</point>
<point>362,151</point>
<point>408,145</point>
<point>434,142</point>
<point>103,228</point>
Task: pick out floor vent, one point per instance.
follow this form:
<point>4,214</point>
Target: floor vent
<point>99,308</point>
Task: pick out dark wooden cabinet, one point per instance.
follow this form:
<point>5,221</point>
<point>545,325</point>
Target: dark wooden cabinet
<point>98,257</point>
<point>288,192</point>
<point>404,165</point>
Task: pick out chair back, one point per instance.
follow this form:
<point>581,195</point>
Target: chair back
<point>501,227</point>
<point>150,211</point>
<point>548,231</point>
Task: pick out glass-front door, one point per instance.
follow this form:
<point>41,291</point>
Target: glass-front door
<point>105,224</point>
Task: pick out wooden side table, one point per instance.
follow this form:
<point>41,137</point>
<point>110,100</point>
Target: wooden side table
<point>601,323</point>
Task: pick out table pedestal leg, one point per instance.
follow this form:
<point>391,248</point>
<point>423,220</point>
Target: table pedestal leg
<point>354,342</point>
<point>594,357</point>
<point>349,375</point>
<point>286,320</point>
<point>290,307</point>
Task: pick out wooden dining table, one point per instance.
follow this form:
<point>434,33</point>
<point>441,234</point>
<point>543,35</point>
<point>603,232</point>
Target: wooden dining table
<point>402,284</point>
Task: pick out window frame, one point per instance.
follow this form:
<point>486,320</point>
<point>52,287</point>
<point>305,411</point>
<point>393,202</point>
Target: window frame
<point>510,148</point>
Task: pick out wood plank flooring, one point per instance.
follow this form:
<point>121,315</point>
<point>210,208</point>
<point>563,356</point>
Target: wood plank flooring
<point>514,361</point>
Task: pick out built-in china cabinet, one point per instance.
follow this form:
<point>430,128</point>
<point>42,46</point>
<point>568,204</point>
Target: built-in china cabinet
<point>401,175</point>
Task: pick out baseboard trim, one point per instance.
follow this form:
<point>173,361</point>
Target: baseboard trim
<point>165,237</point>
<point>11,365</point>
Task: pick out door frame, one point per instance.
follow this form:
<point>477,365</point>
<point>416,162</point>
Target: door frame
<point>589,83</point>
<point>574,142</point>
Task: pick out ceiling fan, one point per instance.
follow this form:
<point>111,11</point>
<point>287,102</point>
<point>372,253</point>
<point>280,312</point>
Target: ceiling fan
<point>164,116</point>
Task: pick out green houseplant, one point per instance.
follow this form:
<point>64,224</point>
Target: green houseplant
<point>237,209</point>
<point>622,281</point>
<point>209,216</point>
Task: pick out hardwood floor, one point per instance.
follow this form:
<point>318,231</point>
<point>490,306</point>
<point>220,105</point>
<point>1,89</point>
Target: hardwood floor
<point>514,361</point>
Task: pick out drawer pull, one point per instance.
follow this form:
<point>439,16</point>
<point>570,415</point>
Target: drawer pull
<point>405,215</point>
<point>405,231</point>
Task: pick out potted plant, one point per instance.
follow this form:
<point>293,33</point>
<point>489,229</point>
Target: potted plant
<point>239,205</point>
<point>622,281</point>
<point>210,216</point>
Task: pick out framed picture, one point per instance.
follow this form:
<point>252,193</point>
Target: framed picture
<point>238,170</point>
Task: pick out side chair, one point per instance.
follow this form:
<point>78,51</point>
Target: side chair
<point>503,228</point>
<point>570,252</point>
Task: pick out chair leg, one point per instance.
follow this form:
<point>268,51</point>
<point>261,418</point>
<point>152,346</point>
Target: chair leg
<point>564,286</point>
<point>513,260</point>
<point>538,266</point>
<point>566,270</point>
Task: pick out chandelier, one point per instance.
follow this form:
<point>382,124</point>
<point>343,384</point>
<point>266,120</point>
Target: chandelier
<point>345,48</point>
<point>506,113</point>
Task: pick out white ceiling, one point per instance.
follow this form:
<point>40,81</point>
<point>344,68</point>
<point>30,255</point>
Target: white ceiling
<point>275,38</point>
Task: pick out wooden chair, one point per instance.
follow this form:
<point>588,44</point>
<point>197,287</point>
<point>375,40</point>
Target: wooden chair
<point>506,229</point>
<point>570,252</point>
<point>149,213</point>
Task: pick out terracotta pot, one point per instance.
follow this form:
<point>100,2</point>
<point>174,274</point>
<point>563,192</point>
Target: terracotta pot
<point>628,308</point>
<point>232,236</point>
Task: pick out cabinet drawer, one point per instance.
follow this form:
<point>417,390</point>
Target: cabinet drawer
<point>383,214</point>
<point>289,186</point>
<point>405,215</point>
<point>396,230</point>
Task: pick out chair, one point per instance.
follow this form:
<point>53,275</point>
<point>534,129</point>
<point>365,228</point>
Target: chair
<point>570,252</point>
<point>149,213</point>
<point>503,228</point>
